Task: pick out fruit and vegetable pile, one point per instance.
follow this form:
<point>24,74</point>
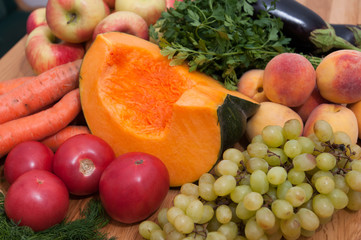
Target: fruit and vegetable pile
<point>254,119</point>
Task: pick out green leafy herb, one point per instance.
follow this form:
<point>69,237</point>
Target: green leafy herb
<point>222,38</point>
<point>94,218</point>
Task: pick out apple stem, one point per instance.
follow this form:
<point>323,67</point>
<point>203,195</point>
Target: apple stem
<point>72,17</point>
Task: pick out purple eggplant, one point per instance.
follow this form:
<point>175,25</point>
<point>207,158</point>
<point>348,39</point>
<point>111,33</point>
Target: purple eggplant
<point>298,21</point>
<point>344,31</point>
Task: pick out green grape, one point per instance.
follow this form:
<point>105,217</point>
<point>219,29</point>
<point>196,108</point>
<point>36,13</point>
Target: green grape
<point>283,188</point>
<point>308,204</point>
<point>158,234</point>
<point>308,190</point>
<point>295,176</point>
<point>323,130</point>
<point>243,213</point>
<point>183,224</point>
<point>291,227</point>
<point>215,236</point>
<point>259,182</point>
<point>172,213</point>
<point>340,183</point>
<point>308,219</point>
<point>276,157</point>
<point>257,149</point>
<point>213,224</point>
<point>265,218</point>
<point>325,161</point>
<point>224,185</point>
<point>182,201</point>
<point>190,189</point>
<point>162,217</point>
<point>276,175</point>
<point>322,206</point>
<point>354,200</point>
<point>319,146</point>
<point>239,192</point>
<point>227,167</point>
<point>307,234</point>
<point>206,191</point>
<point>282,209</point>
<point>308,146</point>
<point>256,163</point>
<point>168,228</point>
<point>253,201</point>
<point>271,194</point>
<point>292,148</point>
<point>146,227</point>
<point>233,207</point>
<point>292,129</point>
<point>246,155</point>
<point>206,178</point>
<point>233,154</point>
<point>229,230</point>
<point>223,214</point>
<point>207,214</point>
<point>341,138</point>
<point>353,180</point>
<point>324,184</point>
<point>273,231</point>
<point>257,139</point>
<point>175,235</point>
<point>194,210</point>
<point>338,198</point>
<point>252,230</point>
<point>356,165</point>
<point>296,196</point>
<point>304,162</point>
<point>355,151</point>
<point>273,135</point>
<point>320,173</point>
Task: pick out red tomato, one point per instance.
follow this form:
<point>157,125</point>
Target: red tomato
<point>80,161</point>
<point>26,156</point>
<point>37,199</point>
<point>133,186</point>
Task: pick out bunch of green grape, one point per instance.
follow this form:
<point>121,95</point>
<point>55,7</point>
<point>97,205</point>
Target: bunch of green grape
<point>282,185</point>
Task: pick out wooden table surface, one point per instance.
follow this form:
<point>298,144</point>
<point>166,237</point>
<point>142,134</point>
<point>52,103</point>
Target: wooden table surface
<point>345,224</point>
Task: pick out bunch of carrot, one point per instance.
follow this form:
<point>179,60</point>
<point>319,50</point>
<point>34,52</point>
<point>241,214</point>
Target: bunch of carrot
<point>40,107</point>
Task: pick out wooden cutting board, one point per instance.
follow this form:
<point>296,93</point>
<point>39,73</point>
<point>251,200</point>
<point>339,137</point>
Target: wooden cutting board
<point>345,224</point>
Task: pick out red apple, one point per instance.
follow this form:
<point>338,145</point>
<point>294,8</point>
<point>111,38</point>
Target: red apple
<point>36,18</point>
<point>123,21</point>
<point>74,20</point>
<point>44,51</point>
<point>150,10</point>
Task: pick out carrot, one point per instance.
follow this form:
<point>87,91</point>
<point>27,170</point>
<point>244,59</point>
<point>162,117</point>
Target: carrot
<point>43,90</point>
<point>7,85</point>
<point>40,125</point>
<point>54,141</point>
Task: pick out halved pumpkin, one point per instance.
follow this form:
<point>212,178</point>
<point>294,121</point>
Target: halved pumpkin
<point>133,99</point>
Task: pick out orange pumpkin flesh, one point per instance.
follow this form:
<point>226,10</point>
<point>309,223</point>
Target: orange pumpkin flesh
<point>133,99</point>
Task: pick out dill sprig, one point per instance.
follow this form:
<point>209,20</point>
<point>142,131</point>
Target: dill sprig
<point>93,218</point>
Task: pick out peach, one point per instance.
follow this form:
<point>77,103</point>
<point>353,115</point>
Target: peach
<point>251,85</point>
<point>289,79</point>
<point>269,113</point>
<point>338,116</point>
<point>356,109</point>
<point>311,103</point>
<point>339,76</point>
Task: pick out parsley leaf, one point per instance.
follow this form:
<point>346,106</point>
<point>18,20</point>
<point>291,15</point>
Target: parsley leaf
<point>222,38</point>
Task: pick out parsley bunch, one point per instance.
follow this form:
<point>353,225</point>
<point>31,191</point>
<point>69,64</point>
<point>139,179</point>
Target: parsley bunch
<point>222,38</point>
